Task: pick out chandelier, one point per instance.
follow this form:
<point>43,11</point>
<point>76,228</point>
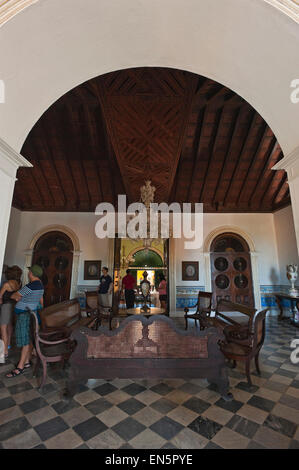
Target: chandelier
<point>147,195</point>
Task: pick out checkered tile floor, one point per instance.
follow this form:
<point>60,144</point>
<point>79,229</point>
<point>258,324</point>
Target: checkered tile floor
<point>154,414</point>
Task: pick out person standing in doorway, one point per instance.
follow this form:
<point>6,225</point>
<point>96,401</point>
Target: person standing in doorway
<point>105,288</point>
<point>128,285</point>
<point>162,289</point>
<point>29,297</point>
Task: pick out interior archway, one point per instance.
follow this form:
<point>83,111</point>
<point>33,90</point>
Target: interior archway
<point>118,40</point>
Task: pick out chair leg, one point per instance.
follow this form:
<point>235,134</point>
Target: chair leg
<point>257,363</point>
<point>247,367</point>
<point>44,363</point>
<point>36,366</point>
<point>186,322</point>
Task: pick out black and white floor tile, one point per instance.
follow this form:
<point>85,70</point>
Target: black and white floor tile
<point>154,414</point>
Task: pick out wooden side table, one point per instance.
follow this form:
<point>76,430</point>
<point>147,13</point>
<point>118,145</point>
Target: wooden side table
<point>279,296</point>
<point>153,311</point>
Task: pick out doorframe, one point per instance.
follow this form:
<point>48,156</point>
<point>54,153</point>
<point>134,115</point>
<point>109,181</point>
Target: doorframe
<point>171,272</point>
<point>76,254</point>
<point>253,256</point>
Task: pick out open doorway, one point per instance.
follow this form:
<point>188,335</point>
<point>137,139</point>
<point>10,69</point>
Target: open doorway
<point>129,254</point>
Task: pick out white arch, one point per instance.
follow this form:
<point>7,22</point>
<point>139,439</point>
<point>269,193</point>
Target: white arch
<point>140,248</point>
<point>224,229</point>
<point>56,228</point>
<point>248,46</point>
<point>76,252</point>
<point>253,255</point>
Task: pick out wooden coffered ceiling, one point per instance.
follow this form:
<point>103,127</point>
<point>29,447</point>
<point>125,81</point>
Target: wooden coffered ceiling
<point>196,140</point>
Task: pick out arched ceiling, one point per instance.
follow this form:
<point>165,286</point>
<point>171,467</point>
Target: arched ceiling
<point>197,141</point>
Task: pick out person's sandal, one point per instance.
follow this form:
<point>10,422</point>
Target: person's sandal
<point>27,365</point>
<point>13,373</point>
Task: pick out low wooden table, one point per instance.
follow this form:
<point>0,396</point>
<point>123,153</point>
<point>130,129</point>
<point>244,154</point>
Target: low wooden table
<point>279,296</point>
<point>153,311</point>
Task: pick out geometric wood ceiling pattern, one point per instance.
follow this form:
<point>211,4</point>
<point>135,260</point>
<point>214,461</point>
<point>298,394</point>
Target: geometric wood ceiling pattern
<point>196,140</point>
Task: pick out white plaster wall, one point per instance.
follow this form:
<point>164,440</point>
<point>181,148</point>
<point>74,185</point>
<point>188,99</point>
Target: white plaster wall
<point>24,225</point>
<point>52,46</point>
<point>286,241</point>
<point>259,227</point>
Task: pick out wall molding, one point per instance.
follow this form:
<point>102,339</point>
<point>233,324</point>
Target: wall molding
<point>11,160</point>
<point>10,8</point>
<point>289,163</point>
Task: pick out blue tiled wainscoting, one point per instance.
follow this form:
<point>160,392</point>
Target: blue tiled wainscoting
<point>187,296</point>
<point>268,300</point>
<point>81,293</point>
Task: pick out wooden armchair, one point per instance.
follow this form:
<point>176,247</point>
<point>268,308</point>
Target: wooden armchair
<point>51,346</point>
<point>244,349</point>
<point>94,308</point>
<point>203,308</point>
<point>92,303</point>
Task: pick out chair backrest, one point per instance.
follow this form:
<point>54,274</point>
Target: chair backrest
<point>204,300</point>
<point>227,306</point>
<point>259,328</point>
<point>63,314</point>
<point>92,299</point>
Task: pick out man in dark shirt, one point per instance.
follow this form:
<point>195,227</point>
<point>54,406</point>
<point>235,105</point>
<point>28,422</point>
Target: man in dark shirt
<point>105,288</point>
<point>128,284</point>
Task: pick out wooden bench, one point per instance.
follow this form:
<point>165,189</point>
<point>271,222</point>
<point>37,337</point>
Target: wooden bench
<point>147,348</point>
<point>225,316</point>
<point>65,315</point>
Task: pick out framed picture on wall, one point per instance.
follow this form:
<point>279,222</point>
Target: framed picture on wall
<point>190,270</point>
<point>92,270</point>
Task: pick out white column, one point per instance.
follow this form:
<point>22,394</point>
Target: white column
<point>290,163</point>
<point>172,277</point>
<point>10,161</point>
<point>75,272</point>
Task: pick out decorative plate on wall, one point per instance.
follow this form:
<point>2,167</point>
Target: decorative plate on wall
<point>190,270</point>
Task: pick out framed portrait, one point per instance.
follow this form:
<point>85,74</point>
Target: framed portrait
<point>190,270</point>
<point>92,270</point>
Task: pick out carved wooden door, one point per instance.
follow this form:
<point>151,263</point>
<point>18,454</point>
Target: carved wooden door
<point>53,252</point>
<point>231,270</point>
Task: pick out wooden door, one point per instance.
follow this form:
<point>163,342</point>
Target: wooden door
<point>53,253</point>
<point>231,270</point>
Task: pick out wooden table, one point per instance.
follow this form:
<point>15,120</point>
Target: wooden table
<point>153,311</point>
<point>279,296</point>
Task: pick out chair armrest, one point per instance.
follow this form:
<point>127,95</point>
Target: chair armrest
<point>53,342</point>
<point>64,330</point>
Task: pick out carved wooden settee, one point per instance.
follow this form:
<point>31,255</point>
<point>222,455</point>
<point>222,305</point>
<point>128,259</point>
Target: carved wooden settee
<point>65,315</point>
<point>147,348</point>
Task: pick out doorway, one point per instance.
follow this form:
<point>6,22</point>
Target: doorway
<point>133,255</point>
<point>54,253</point>
<point>231,272</point>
